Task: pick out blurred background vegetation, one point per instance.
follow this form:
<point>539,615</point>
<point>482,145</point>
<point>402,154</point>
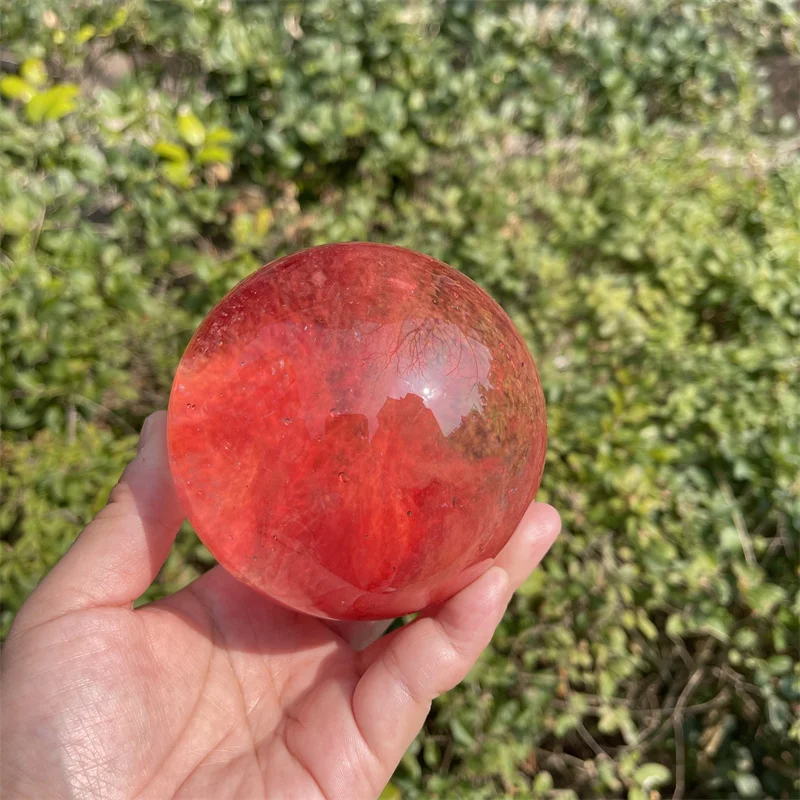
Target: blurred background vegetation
<point>623,176</point>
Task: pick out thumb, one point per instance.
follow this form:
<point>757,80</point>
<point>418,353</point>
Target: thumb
<point>120,552</point>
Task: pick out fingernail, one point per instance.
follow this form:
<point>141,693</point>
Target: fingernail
<point>144,435</point>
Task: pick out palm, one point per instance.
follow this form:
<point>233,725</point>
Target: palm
<point>219,693</point>
<point>268,688</point>
<point>215,691</point>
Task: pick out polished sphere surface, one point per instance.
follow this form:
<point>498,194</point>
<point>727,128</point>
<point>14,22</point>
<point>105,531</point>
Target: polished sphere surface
<point>356,430</point>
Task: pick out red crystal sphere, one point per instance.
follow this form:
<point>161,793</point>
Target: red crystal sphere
<point>356,430</point>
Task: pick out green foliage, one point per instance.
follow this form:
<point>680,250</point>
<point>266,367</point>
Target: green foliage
<point>613,173</point>
<point>52,485</point>
<point>41,104</point>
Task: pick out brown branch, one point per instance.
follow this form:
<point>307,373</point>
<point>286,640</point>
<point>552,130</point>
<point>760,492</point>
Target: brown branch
<point>680,705</point>
<point>680,757</point>
<point>564,758</point>
<point>591,741</point>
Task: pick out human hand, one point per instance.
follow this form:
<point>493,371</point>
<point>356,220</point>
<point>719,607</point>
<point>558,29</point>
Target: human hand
<point>215,691</point>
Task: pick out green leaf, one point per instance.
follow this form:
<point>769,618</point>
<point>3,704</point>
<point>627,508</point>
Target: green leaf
<point>543,782</point>
<point>606,684</point>
<point>190,128</point>
<point>780,717</point>
<point>606,771</point>
<point>242,228</point>
<point>16,417</point>
<point>219,135</point>
<point>34,71</point>
<point>461,734</point>
<point>717,625</point>
<point>533,584</point>
<point>674,626</point>
<point>16,88</point>
<point>763,598</point>
<point>647,627</point>
<point>390,792</point>
<point>20,214</point>
<point>85,33</point>
<point>431,753</point>
<point>779,665</point>
<point>411,764</point>
<point>214,154</point>
<point>608,721</point>
<point>651,775</point>
<point>117,21</point>
<point>262,222</point>
<point>564,724</point>
<point>53,104</point>
<point>178,173</point>
<point>171,151</point>
<point>748,785</point>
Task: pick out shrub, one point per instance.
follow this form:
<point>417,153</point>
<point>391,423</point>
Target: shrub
<point>615,175</point>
